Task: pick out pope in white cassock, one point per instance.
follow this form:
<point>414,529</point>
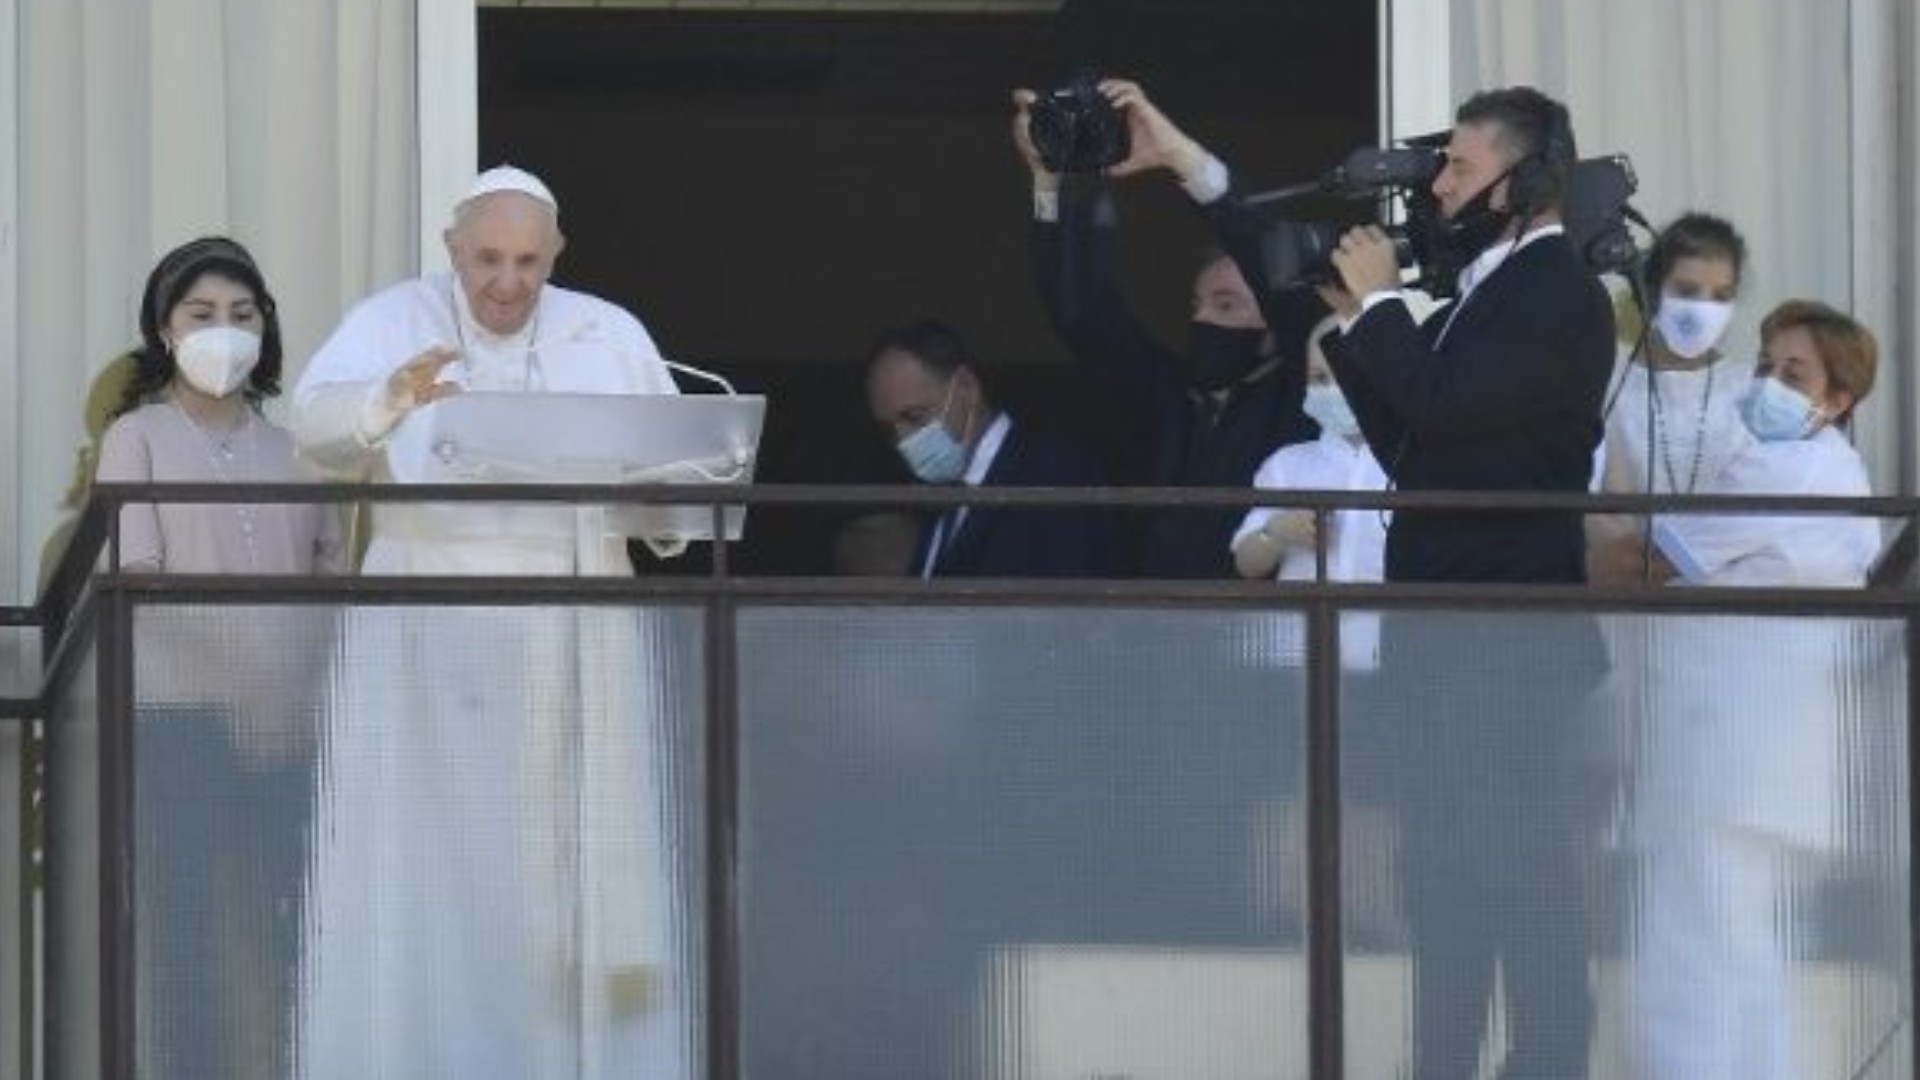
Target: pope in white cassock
<point>493,887</point>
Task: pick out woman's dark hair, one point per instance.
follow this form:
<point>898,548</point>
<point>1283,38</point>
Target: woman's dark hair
<point>1694,235</point>
<point>175,274</point>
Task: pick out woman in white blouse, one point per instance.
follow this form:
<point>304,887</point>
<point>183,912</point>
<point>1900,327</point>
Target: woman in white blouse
<point>1738,763</point>
<point>224,698</point>
<point>1673,421</point>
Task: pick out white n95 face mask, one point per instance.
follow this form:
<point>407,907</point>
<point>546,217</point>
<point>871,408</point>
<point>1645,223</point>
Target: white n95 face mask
<point>217,360</point>
<point>1691,328</point>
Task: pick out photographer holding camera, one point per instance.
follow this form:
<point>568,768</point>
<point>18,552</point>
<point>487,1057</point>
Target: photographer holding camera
<point>1212,415</point>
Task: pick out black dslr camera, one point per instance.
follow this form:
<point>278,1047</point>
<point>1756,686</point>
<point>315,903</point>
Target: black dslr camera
<point>1076,129</point>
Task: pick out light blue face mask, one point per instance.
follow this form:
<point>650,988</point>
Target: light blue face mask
<point>1328,407</point>
<point>932,452</point>
<point>1776,412</point>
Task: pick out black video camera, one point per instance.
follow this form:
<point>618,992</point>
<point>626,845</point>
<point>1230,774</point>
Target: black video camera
<point>1076,129</point>
<point>1297,248</point>
<point>1298,251</point>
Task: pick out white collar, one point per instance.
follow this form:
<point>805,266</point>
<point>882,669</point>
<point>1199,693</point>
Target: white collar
<point>989,448</point>
<point>1483,266</point>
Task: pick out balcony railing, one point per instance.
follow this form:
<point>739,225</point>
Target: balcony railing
<point>845,827</point>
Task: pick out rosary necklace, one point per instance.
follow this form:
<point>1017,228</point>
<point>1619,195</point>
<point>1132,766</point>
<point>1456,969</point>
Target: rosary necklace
<point>1663,442</point>
<point>223,451</point>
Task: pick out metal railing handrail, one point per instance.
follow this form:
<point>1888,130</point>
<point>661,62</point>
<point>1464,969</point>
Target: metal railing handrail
<point>928,496</point>
<point>96,529</point>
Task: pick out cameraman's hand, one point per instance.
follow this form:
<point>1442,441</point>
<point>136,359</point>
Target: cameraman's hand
<point>1345,305</point>
<point>1157,142</point>
<point>1043,178</point>
<point>1366,262</point>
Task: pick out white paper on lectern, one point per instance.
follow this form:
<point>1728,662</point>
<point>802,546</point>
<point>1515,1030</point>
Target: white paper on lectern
<point>546,438</point>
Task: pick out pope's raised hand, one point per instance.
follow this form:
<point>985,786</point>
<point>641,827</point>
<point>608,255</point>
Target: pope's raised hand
<point>417,382</point>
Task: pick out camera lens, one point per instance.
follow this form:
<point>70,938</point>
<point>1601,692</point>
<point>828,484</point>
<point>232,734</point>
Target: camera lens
<point>1075,129</point>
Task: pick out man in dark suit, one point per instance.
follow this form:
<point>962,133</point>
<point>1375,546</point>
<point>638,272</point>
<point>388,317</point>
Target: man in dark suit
<point>1499,391</point>
<point>923,388</point>
<point>1206,416</point>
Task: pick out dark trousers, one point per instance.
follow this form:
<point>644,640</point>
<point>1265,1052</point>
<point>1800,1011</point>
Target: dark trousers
<point>1496,796</point>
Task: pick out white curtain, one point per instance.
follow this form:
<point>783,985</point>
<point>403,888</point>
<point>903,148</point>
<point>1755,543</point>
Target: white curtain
<point>1787,116</point>
<point>288,125</point>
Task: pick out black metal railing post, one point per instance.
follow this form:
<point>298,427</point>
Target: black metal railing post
<point>1326,993</point>
<point>116,837</point>
<point>1912,627</point>
<point>724,985</point>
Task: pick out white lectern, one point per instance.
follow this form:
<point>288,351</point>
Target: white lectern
<point>547,438</point>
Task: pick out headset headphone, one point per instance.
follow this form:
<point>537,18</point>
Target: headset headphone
<point>1539,180</point>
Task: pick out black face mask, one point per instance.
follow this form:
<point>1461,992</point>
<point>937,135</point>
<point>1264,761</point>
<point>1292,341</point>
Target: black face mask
<point>1223,355</point>
<point>1458,240</point>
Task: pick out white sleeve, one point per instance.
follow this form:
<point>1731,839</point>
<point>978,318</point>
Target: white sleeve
<point>339,415</point>
<point>1275,474</point>
<point>1046,205</point>
<point>337,426</point>
<point>1208,185</point>
<point>1702,545</point>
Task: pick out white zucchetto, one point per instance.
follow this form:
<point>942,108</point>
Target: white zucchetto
<point>509,178</point>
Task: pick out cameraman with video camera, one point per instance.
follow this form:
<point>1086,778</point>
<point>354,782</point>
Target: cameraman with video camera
<point>1212,414</point>
<point>1501,390</point>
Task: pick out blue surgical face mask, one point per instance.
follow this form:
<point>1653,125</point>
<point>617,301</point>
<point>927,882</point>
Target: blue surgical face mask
<point>1329,408</point>
<point>1776,412</point>
<point>932,452</point>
